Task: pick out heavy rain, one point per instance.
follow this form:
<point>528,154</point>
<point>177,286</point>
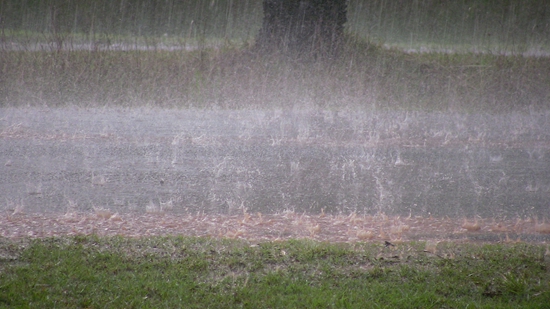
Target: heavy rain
<point>136,118</point>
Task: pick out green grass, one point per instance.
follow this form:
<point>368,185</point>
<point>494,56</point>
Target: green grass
<point>176,272</point>
<point>224,73</point>
<point>503,25</point>
<point>365,75</point>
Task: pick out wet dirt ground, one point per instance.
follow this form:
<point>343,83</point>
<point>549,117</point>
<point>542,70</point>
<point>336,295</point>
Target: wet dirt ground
<point>274,227</point>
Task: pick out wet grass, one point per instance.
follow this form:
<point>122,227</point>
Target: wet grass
<point>175,272</point>
<point>233,76</point>
<point>513,25</point>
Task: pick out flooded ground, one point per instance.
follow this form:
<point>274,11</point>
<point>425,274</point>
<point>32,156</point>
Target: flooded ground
<point>141,162</point>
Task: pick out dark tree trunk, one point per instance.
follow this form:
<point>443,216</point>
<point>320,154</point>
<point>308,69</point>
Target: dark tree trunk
<point>304,28</point>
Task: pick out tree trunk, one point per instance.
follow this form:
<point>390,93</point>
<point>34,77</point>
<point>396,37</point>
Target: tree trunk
<point>306,28</point>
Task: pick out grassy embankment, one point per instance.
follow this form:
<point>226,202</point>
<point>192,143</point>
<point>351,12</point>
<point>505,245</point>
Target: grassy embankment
<point>365,75</point>
<point>175,272</point>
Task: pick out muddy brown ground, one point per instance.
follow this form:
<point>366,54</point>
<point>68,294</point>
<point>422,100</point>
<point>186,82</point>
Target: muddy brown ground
<point>288,225</point>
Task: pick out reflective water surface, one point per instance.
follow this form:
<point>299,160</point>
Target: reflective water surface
<point>339,162</point>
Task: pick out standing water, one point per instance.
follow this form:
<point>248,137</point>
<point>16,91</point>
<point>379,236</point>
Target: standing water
<point>228,162</point>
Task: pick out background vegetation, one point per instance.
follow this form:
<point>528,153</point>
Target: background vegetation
<point>184,19</point>
<point>196,54</point>
<point>464,25</point>
<point>510,25</point>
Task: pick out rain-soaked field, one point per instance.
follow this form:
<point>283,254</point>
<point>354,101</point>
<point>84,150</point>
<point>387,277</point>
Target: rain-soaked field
<point>275,174</point>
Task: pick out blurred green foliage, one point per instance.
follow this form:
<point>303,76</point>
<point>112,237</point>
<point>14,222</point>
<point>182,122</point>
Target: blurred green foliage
<point>482,23</point>
<point>190,18</point>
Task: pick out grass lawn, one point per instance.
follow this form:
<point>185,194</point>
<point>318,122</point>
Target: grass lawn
<point>195,272</point>
<point>235,77</point>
